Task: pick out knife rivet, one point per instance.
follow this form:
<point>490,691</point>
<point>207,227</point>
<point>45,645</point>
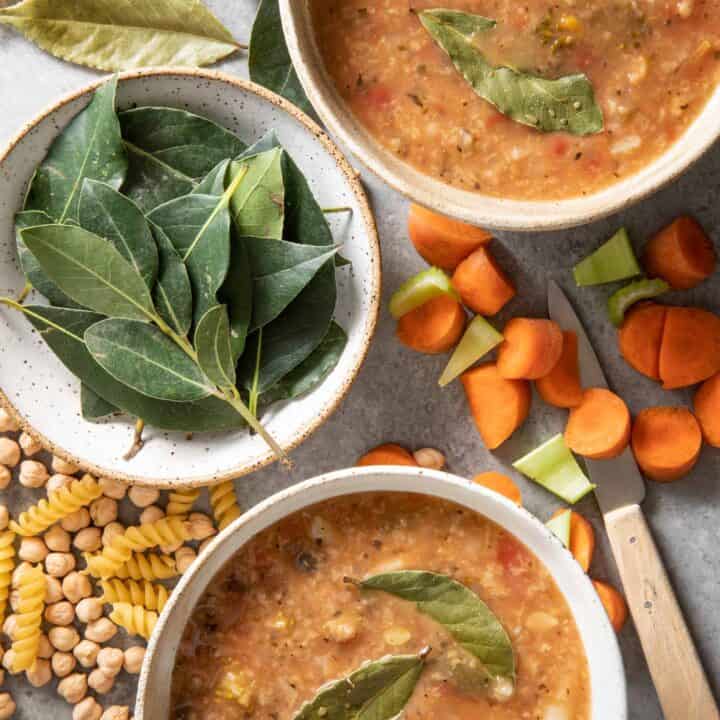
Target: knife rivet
<point>633,540</point>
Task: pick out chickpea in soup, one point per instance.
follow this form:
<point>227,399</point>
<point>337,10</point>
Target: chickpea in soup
<point>652,64</point>
<point>279,621</point>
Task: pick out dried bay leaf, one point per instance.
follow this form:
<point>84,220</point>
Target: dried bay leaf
<point>212,343</point>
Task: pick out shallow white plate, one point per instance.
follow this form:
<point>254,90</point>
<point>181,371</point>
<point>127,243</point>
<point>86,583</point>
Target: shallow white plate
<point>46,397</point>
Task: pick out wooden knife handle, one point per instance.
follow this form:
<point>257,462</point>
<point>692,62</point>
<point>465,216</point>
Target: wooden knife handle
<point>679,678</point>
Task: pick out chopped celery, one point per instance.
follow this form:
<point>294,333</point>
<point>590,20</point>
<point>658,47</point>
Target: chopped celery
<point>560,526</point>
<point>644,289</point>
<point>479,339</point>
<point>553,466</point>
<point>615,260</point>
<point>418,290</point>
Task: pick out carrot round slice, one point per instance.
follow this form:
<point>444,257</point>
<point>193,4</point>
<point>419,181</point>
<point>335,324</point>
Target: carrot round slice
<point>599,428</point>
<point>531,348</point>
<point>582,538</point>
<point>681,254</point>
<point>614,604</point>
<point>666,442</point>
<point>482,284</point>
<point>501,484</point>
<point>387,454</point>
<point>640,338</point>
<point>499,406</point>
<point>434,327</point>
<point>561,386</point>
<point>441,241</point>
<point>707,410</point>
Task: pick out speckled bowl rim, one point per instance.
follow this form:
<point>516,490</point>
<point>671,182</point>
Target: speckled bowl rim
<point>353,178</point>
<point>392,479</point>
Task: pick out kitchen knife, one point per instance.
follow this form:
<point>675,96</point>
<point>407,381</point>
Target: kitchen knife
<point>675,667</point>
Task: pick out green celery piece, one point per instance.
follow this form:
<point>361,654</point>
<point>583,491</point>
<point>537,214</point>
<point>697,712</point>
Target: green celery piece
<point>420,289</point>
<point>553,466</point>
<point>479,339</point>
<point>560,526</point>
<point>615,260</point>
<point>621,301</point>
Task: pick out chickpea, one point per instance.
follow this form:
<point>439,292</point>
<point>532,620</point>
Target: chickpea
<point>86,652</point>
<point>110,660</point>
<point>63,467</point>
<point>5,477</point>
<point>184,558</point>
<point>344,627</point>
<point>116,712</point>
<point>76,586</point>
<point>100,682</point>
<point>59,564</point>
<point>429,458</point>
<point>40,674</point>
<point>29,444</point>
<point>170,549</point>
<point>87,709</point>
<point>134,657</point>
<point>101,630</point>
<point>89,609</point>
<point>89,539</point>
<point>33,474</point>
<point>58,481</point>
<point>7,706</point>
<point>113,488</point>
<point>62,664</point>
<point>201,526</point>
<point>32,550</point>
<point>64,639</point>
<point>7,422</point>
<point>61,613</point>
<point>203,545</point>
<point>151,514</point>
<point>73,688</point>
<point>103,511</point>
<point>45,649</point>
<point>139,496</point>
<point>111,531</point>
<point>4,517</point>
<point>54,591</point>
<point>9,452</point>
<point>76,521</point>
<point>57,539</point>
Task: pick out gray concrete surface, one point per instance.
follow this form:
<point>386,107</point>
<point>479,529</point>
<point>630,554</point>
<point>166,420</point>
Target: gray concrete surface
<point>396,396</point>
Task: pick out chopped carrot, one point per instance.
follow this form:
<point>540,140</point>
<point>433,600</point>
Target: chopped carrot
<point>499,406</point>
<point>501,484</point>
<point>582,538</point>
<point>640,338</point>
<point>532,348</point>
<point>681,254</point>
<point>707,410</point>
<point>482,284</point>
<point>614,604</point>
<point>441,241</point>
<point>599,428</point>
<point>666,442</point>
<point>561,387</point>
<point>387,454</point>
<point>690,350</point>
<point>434,327</point>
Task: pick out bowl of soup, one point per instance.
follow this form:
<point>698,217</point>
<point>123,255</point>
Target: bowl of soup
<point>519,116</point>
<point>307,606</point>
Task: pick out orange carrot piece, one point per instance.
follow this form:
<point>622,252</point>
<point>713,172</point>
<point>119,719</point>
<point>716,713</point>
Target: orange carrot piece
<point>666,442</point>
<point>434,327</point>
<point>614,604</point>
<point>500,484</point>
<point>387,454</point>
<point>707,410</point>
<point>482,284</point>
<point>443,242</point>
<point>582,538</point>
<point>599,428</point>
<point>561,387</point>
<point>499,406</point>
<point>681,254</point>
<point>640,338</point>
<point>531,349</point>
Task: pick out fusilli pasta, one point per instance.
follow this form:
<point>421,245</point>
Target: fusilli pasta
<point>224,504</point>
<point>134,618</point>
<point>7,565</point>
<point>31,587</point>
<point>148,566</point>
<point>182,501</point>
<point>147,594</point>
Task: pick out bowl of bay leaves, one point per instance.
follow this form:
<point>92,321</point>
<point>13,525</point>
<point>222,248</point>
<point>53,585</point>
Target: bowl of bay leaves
<point>190,275</point>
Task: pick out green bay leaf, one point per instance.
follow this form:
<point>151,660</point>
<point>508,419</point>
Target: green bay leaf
<point>212,343</point>
<point>237,293</point>
<point>214,182</point>
<point>93,407</point>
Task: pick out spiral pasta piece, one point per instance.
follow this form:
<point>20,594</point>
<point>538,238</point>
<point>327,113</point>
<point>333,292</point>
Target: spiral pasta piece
<point>148,566</point>
<point>31,587</point>
<point>7,565</point>
<point>224,504</point>
<point>166,531</point>
<point>58,505</point>
<point>181,501</point>
<point>134,618</point>
<point>147,594</point>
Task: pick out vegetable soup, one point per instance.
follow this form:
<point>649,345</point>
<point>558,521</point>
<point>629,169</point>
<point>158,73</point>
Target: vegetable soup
<point>532,100</point>
<point>284,633</point>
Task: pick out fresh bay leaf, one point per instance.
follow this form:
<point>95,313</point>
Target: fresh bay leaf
<point>107,213</point>
<point>93,407</point>
<point>214,182</point>
<point>143,358</point>
<point>237,293</point>
<point>123,34</point>
<point>378,690</point>
<point>269,60</point>
<point>268,257</point>
<point>90,270</point>
<point>89,147</point>
<point>212,343</point>
<point>467,24</point>
<point>565,104</point>
<point>459,610</point>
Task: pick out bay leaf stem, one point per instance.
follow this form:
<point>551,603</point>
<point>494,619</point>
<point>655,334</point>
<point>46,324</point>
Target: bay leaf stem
<point>138,442</point>
<point>256,376</point>
<point>21,308</point>
<point>335,210</point>
<point>24,293</point>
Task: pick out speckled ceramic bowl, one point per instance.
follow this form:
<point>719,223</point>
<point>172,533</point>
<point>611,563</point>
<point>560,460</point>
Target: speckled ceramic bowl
<point>483,210</point>
<point>606,669</point>
<point>46,397</point>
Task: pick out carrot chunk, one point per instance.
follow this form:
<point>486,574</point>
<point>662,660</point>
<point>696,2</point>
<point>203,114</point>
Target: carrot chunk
<point>561,386</point>
<point>614,604</point>
<point>690,349</point>
<point>441,241</point>
<point>531,349</point>
<point>387,454</point>
<point>707,410</point>
<point>499,406</point>
<point>599,428</point>
<point>482,284</point>
<point>682,254</point>
<point>640,338</point>
<point>501,484</point>
<point>666,442</point>
<point>582,538</point>
<point>434,327</point>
